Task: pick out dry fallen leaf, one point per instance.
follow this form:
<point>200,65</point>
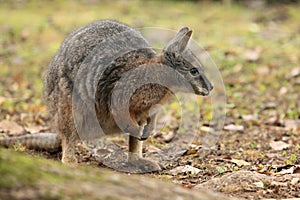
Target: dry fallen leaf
<point>269,105</point>
<point>252,55</point>
<point>263,70</point>
<point>232,127</point>
<point>206,129</point>
<point>287,171</point>
<point>295,72</point>
<point>294,181</point>
<point>11,127</point>
<point>249,118</point>
<point>274,120</point>
<point>31,128</point>
<point>185,169</point>
<point>151,149</point>
<point>259,184</point>
<point>189,186</point>
<point>166,137</point>
<point>279,145</point>
<point>280,184</point>
<point>3,99</point>
<point>240,163</point>
<point>292,124</point>
<point>283,90</point>
<point>190,152</point>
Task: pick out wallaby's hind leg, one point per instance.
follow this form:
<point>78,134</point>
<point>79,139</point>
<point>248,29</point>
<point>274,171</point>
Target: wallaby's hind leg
<point>68,149</point>
<point>68,140</point>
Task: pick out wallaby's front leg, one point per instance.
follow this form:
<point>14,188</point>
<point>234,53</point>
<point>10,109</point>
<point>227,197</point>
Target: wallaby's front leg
<point>136,143</point>
<point>135,156</point>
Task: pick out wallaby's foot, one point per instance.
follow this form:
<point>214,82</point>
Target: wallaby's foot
<point>137,164</point>
<point>68,151</point>
<point>70,160</point>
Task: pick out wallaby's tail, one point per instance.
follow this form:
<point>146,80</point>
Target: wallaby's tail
<point>40,141</point>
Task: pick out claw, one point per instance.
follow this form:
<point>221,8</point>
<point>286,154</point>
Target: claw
<point>146,134</point>
<point>143,138</point>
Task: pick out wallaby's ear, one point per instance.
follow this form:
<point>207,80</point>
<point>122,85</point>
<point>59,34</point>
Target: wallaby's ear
<point>183,42</point>
<point>182,32</point>
<point>180,41</point>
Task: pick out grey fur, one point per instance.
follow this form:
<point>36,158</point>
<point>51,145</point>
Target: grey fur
<point>88,67</point>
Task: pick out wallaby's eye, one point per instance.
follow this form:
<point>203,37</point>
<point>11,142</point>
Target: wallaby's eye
<point>194,71</point>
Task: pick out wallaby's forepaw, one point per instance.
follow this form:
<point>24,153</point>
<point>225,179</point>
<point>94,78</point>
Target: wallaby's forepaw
<point>146,133</point>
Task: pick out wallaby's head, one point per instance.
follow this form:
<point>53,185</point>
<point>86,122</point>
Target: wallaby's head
<point>179,57</point>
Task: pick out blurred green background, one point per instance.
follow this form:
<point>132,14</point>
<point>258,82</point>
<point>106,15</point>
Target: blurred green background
<point>255,46</point>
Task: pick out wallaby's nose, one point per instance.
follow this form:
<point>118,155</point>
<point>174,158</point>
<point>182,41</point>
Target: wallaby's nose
<point>211,86</point>
<point>207,84</point>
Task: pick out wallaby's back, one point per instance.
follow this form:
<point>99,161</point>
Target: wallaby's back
<point>62,71</point>
<point>75,72</point>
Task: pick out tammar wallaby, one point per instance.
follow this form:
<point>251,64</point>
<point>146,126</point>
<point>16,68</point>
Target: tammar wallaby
<point>105,35</point>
